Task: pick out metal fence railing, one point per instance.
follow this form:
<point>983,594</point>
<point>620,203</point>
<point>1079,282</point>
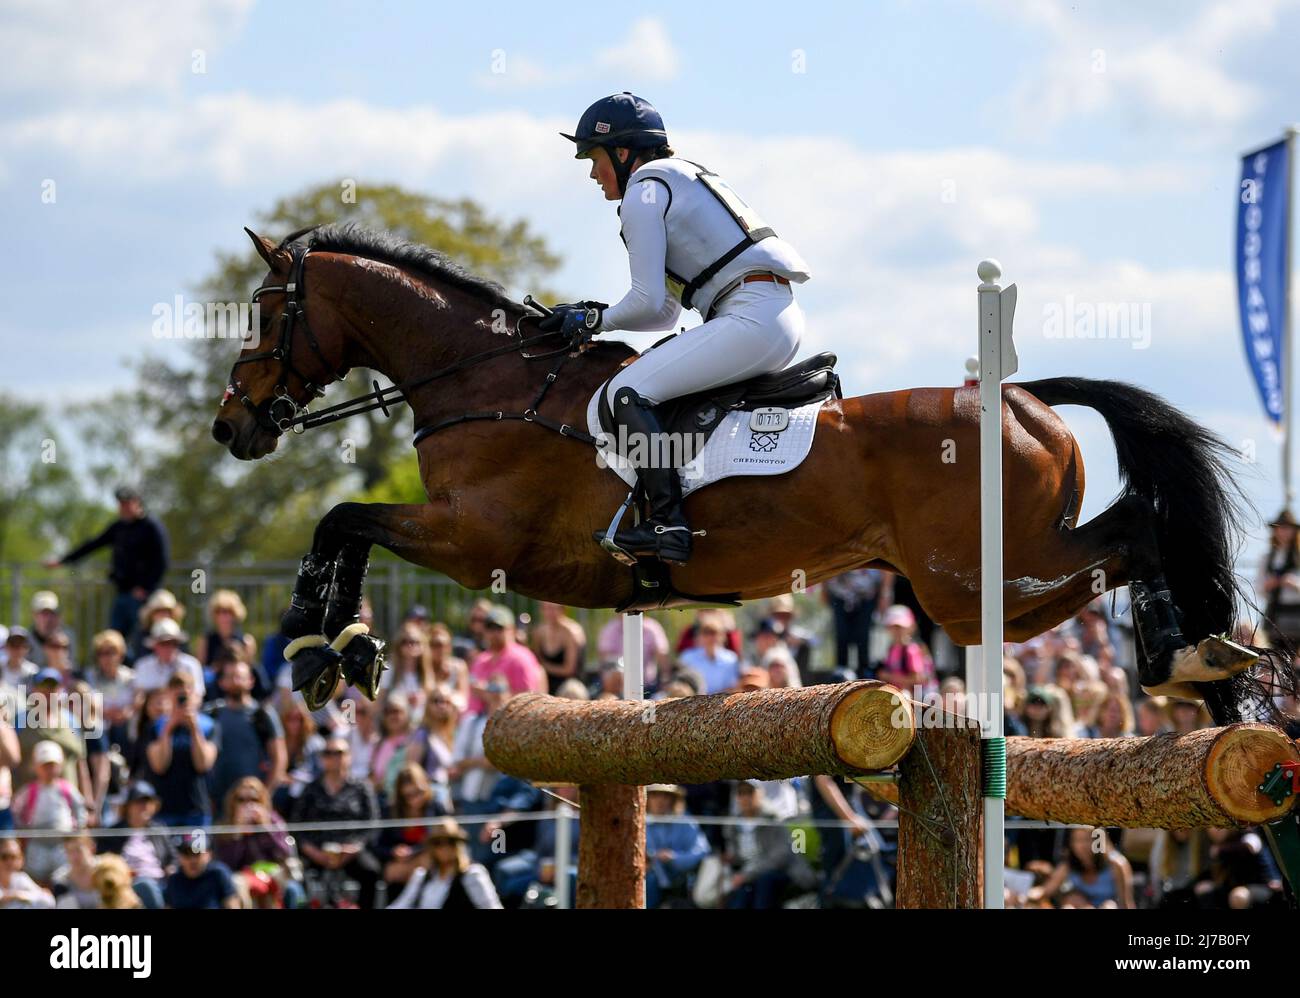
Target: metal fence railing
<point>392,587</point>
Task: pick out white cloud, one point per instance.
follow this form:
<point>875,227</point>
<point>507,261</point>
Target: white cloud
<point>647,53</point>
<point>1177,71</point>
<point>515,72</point>
<point>53,48</point>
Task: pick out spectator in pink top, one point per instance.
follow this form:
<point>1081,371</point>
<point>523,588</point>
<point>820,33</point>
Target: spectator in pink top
<point>504,657</point>
<point>609,646</point>
<point>907,663</point>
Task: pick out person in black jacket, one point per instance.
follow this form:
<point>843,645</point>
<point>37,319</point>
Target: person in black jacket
<point>335,796</point>
<point>139,560</point>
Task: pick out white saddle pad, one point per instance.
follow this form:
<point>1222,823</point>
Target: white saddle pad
<point>766,441</point>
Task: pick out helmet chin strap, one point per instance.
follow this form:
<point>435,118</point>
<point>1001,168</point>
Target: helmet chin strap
<point>622,169</point>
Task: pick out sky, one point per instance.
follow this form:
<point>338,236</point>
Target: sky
<point>1092,148</point>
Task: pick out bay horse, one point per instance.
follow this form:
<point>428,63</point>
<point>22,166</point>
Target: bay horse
<point>892,480</point>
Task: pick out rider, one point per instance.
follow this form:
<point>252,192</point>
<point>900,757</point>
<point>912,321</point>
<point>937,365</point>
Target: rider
<point>691,242</point>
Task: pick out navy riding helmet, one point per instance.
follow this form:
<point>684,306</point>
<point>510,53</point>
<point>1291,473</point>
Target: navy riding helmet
<point>618,121</point>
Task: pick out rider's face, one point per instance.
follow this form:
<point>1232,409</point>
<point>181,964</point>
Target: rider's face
<point>602,171</point>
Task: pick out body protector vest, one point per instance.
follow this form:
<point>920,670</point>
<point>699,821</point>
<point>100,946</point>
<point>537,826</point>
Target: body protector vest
<point>713,235</point>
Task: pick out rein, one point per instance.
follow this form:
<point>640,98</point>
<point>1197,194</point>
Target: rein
<point>272,416</point>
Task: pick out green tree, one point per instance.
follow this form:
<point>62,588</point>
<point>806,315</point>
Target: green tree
<point>41,500</point>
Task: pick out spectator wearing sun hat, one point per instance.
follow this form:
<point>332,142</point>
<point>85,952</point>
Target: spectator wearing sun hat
<point>166,659</point>
<point>505,657</point>
<point>674,850</point>
<point>113,681</point>
<point>161,604</point>
<point>226,614</point>
<point>47,621</point>
<point>447,877</point>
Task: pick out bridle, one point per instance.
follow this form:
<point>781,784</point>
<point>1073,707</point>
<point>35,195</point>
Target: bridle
<point>281,411</point>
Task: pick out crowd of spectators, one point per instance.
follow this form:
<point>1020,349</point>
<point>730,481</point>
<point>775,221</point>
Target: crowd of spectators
<point>167,739</point>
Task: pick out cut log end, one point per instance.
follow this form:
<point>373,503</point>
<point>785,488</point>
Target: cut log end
<point>1237,763</point>
<point>1207,778</point>
<point>872,728</point>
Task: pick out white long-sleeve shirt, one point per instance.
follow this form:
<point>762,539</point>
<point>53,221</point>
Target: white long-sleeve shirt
<point>647,306</point>
<point>424,891</point>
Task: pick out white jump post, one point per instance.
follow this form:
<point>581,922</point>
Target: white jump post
<point>997,361</point>
<point>633,656</point>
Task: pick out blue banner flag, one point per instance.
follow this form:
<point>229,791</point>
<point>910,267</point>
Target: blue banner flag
<point>1262,263</point>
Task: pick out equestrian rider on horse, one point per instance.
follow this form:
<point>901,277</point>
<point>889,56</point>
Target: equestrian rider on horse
<point>691,242</point>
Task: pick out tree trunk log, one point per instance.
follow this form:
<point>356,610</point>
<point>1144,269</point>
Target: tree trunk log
<point>1207,778</point>
<point>611,847</point>
<point>843,729</point>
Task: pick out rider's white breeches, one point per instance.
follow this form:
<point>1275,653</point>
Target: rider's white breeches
<point>756,330</point>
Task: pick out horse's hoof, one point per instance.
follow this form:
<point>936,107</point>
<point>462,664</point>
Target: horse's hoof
<point>316,673</point>
<point>1212,660</point>
<point>363,663</point>
<point>1178,691</point>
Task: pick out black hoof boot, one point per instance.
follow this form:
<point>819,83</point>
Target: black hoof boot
<point>1158,626</point>
<point>344,607</point>
<point>306,613</point>
<point>316,673</point>
<point>363,663</point>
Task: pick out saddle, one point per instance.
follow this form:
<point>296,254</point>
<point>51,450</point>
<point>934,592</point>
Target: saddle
<point>813,380</point>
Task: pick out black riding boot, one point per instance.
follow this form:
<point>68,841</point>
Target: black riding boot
<point>664,534</point>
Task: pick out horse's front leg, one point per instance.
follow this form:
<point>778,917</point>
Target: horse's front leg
<point>328,641</point>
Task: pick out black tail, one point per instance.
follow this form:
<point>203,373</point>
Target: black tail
<point>1182,470</point>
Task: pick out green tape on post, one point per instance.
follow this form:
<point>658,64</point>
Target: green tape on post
<point>994,752</point>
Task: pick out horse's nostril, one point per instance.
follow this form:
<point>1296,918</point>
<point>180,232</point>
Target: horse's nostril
<point>222,432</point>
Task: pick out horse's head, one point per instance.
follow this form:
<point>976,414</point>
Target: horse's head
<point>282,368</point>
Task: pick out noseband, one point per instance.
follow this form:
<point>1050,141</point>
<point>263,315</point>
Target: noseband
<point>281,412</point>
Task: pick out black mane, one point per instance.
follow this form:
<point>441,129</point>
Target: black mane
<point>349,237</point>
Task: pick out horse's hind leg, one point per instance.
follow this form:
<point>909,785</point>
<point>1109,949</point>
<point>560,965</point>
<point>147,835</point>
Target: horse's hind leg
<point>1121,546</point>
<point>1050,576</point>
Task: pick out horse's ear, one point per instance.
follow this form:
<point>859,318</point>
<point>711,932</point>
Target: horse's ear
<point>275,257</point>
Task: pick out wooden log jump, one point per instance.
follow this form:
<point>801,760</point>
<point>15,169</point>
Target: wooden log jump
<point>844,729</point>
<point>612,748</point>
<point>1206,778</point>
<point>609,747</point>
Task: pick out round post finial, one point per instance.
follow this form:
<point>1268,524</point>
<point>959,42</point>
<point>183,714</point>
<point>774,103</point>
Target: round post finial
<point>989,271</point>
